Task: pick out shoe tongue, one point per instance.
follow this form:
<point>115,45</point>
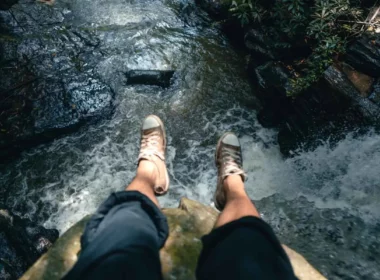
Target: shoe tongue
<point>150,130</point>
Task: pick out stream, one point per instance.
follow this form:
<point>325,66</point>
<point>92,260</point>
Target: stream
<point>323,202</point>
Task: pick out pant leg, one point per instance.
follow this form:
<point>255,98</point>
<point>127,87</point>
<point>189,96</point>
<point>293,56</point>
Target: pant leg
<point>122,240</point>
<point>243,249</point>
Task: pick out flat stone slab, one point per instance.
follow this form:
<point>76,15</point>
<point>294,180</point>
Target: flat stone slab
<point>160,78</point>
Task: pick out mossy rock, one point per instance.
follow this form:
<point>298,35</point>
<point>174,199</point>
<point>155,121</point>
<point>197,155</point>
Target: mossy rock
<point>187,223</point>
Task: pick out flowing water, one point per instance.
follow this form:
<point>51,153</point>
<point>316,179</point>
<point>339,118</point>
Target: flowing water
<point>60,182</point>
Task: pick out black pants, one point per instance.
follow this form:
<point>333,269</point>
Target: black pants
<point>123,238</point>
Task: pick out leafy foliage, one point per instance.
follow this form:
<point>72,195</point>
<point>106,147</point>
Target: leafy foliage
<point>326,26</point>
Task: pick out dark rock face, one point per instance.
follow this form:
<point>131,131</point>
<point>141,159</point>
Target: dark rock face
<point>216,8</point>
<point>375,95</point>
<point>264,46</point>
<point>22,243</point>
<point>273,77</point>
<point>260,46</point>
<point>49,84</point>
<point>6,4</point>
<point>364,55</point>
<point>330,107</point>
<point>337,103</point>
<point>342,100</point>
<point>339,83</point>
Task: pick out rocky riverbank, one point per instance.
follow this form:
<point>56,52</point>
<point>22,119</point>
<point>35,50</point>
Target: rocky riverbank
<point>22,243</point>
<point>49,85</point>
<point>345,98</point>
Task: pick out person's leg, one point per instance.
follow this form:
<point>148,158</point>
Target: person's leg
<point>242,245</point>
<point>123,238</point>
<point>238,204</point>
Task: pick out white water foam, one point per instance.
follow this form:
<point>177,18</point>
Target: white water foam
<point>334,176</point>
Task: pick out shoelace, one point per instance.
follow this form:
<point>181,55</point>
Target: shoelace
<point>232,162</point>
<point>149,145</point>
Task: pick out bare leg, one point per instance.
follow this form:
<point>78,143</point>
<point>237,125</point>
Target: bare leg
<point>145,180</point>
<point>238,204</point>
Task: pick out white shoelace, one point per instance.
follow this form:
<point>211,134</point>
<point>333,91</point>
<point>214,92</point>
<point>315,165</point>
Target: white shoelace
<point>149,145</point>
<point>232,162</point>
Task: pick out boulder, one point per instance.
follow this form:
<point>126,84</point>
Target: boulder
<point>273,77</point>
<point>49,83</point>
<point>339,83</point>
<point>22,243</point>
<point>364,55</point>
<point>259,45</point>
<point>178,257</point>
<point>7,4</point>
<point>362,82</point>
<point>216,8</point>
<point>266,46</point>
<point>375,94</point>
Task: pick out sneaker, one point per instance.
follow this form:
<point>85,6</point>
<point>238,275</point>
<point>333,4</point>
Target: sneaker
<point>152,148</point>
<point>229,161</point>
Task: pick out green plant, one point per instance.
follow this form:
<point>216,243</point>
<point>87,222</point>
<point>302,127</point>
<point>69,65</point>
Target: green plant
<point>326,26</point>
<point>321,58</point>
<point>247,11</point>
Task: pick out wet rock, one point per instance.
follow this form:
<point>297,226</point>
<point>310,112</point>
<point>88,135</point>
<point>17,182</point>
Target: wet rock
<point>178,257</point>
<point>7,4</point>
<point>339,83</point>
<point>22,243</point>
<point>216,8</point>
<point>160,78</point>
<point>364,55</point>
<point>330,107</point>
<point>362,82</point>
<point>375,95</point>
<point>259,46</point>
<point>263,47</point>
<point>49,84</point>
<point>273,81</point>
<point>273,77</point>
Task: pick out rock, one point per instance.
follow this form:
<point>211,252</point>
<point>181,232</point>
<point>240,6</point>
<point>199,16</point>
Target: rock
<point>339,83</point>
<point>160,78</point>
<point>362,82</point>
<point>22,243</point>
<point>263,47</point>
<point>259,45</point>
<point>178,257</point>
<point>50,85</point>
<point>216,8</point>
<point>375,95</point>
<point>7,4</point>
<point>364,55</point>
<point>273,77</point>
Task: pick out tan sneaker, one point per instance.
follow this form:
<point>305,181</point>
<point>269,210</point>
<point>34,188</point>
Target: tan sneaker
<point>229,161</point>
<point>152,148</point>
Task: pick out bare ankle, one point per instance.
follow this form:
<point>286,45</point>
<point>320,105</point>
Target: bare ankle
<point>233,183</point>
<point>148,170</point>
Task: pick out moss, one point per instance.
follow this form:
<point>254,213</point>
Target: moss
<point>184,256</point>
